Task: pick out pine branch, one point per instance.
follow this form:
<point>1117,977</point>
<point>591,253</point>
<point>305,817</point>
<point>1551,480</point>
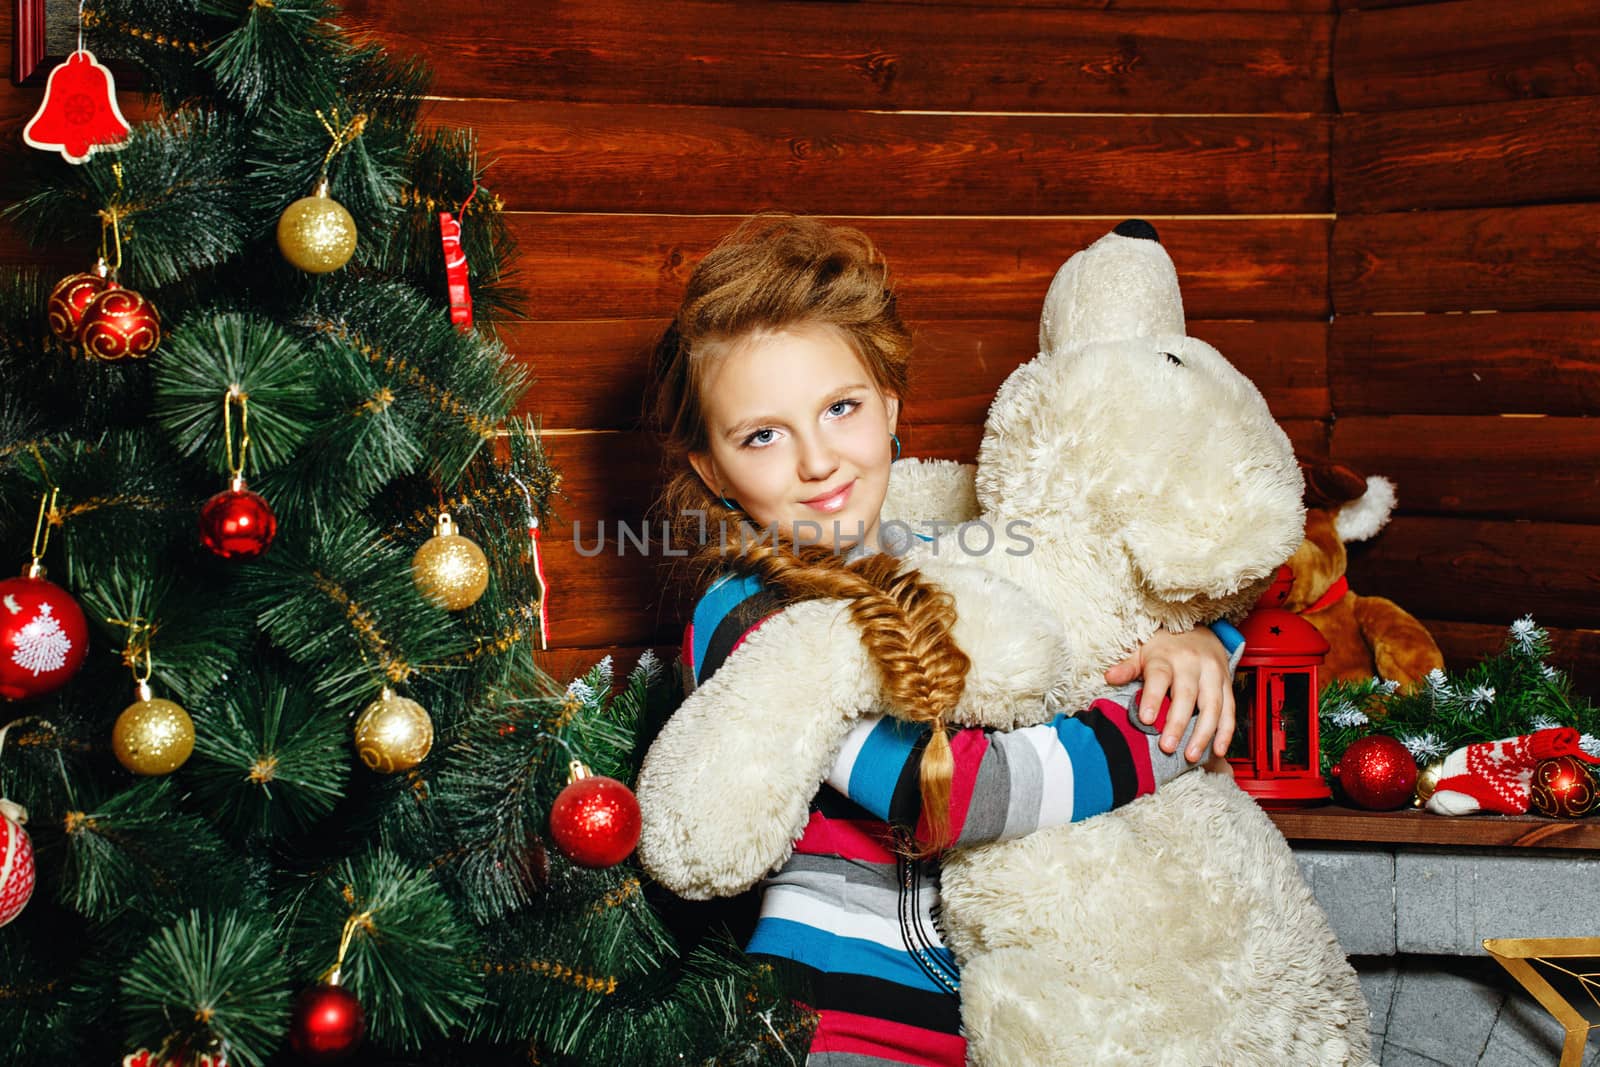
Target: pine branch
<point>407,959</point>
<point>1506,695</point>
<point>344,604</point>
<point>210,981</point>
<point>467,385</point>
<point>193,641</point>
<point>134,853</point>
<point>210,355</point>
<point>279,51</point>
<point>443,174</point>
<point>269,760</point>
<point>164,38</point>
<point>170,190</point>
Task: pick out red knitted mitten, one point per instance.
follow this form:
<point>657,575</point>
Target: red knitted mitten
<point>1494,775</point>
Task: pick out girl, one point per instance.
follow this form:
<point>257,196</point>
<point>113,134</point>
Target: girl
<point>776,392</point>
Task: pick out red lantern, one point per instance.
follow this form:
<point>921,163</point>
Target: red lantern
<point>1274,753</point>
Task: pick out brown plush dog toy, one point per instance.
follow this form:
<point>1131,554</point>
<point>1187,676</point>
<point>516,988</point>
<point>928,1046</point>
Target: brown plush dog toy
<point>1367,635</point>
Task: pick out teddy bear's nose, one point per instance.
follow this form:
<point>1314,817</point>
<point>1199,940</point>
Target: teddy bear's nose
<point>1137,228</point>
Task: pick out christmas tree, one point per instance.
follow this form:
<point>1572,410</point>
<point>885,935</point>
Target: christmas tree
<point>299,785</point>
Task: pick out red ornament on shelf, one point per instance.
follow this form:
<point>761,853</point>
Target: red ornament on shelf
<point>79,113</point>
<point>1563,787</point>
<point>70,299</point>
<point>43,636</point>
<point>1377,773</point>
<point>16,861</point>
<point>327,1024</point>
<point>594,820</point>
<point>236,523</point>
<point>120,324</point>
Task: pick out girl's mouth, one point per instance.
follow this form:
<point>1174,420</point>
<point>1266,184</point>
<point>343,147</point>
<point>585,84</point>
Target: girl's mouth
<point>831,502</point>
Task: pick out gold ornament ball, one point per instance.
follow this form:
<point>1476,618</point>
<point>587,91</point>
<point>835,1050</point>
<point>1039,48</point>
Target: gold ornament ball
<point>393,733</point>
<point>1428,781</point>
<point>449,569</point>
<point>316,233</point>
<point>153,736</point>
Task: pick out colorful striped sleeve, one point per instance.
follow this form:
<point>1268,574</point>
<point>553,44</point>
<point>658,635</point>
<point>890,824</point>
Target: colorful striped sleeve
<point>730,610</point>
<point>1232,641</point>
<point>1009,783</point>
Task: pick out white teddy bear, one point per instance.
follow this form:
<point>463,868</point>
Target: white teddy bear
<point>1155,489</point>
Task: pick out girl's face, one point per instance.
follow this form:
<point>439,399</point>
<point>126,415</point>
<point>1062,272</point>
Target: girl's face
<point>799,435</point>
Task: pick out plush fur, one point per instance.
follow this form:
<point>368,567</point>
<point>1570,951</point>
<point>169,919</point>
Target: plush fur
<point>1367,635</point>
<point>1156,489</point>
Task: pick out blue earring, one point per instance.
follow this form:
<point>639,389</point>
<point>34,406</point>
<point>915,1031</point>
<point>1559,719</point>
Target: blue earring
<point>730,505</point>
<point>895,438</point>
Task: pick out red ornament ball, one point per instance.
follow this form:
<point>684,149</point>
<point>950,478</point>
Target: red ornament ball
<point>43,637</point>
<point>16,861</point>
<point>70,299</point>
<point>595,821</point>
<point>327,1024</point>
<point>1564,787</point>
<point>1377,773</point>
<point>237,524</point>
<point>120,324</point>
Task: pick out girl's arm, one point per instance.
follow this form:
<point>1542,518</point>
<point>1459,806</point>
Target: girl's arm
<point>1008,783</point>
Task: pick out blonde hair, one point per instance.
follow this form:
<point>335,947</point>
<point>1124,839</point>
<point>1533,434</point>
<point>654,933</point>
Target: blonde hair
<point>783,271</point>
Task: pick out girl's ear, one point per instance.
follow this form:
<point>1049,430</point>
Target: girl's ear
<point>706,468</point>
<point>892,402</point>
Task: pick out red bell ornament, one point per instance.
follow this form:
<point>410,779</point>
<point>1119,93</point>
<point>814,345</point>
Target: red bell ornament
<point>70,300</point>
<point>43,636</point>
<point>1377,773</point>
<point>79,113</point>
<point>236,523</point>
<point>120,324</point>
<point>327,1025</point>
<point>594,820</point>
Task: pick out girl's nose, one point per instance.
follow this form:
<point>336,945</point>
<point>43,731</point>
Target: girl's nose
<point>817,459</point>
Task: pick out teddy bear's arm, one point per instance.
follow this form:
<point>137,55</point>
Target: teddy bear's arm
<point>725,790</point>
<point>1402,648</point>
<point>925,494</point>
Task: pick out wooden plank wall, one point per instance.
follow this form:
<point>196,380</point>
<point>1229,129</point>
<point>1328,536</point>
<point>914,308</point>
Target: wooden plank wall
<point>981,143</point>
<point>1464,358</point>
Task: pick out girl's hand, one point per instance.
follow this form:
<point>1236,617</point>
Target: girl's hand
<point>1194,667</point>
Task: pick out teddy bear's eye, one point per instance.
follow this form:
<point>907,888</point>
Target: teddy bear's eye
<point>1172,358</point>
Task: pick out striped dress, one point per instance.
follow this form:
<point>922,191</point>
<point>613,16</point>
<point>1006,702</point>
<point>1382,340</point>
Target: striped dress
<point>853,920</point>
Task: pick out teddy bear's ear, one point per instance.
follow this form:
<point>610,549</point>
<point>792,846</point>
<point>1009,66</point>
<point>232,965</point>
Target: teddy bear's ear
<point>1331,485</point>
<point>1124,285</point>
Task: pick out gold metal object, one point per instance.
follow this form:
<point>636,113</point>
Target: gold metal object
<point>1572,961</point>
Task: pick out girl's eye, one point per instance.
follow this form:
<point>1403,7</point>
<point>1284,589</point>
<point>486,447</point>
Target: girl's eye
<point>842,407</point>
<point>762,436</point>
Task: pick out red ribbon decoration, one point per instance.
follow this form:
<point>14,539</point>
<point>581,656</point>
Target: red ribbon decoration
<point>455,272</point>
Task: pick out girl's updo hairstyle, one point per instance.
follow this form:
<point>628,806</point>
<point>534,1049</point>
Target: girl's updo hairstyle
<point>776,272</point>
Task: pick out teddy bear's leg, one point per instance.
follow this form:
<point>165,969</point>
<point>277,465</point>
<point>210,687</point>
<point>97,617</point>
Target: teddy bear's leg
<point>1402,648</point>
